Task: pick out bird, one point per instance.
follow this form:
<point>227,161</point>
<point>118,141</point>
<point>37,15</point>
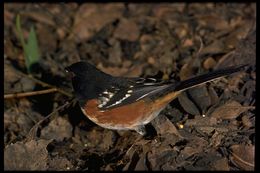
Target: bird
<point>129,103</point>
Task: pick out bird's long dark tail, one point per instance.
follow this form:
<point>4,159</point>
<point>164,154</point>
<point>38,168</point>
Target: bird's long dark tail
<point>189,83</point>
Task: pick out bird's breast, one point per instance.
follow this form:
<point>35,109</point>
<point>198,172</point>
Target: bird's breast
<point>123,117</point>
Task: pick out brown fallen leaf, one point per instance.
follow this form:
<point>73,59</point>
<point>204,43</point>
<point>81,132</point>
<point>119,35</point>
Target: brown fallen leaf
<point>163,125</point>
<point>245,53</point>
<point>134,71</point>
<point>246,121</point>
<point>243,156</point>
<point>188,43</point>
<point>58,129</point>
<point>41,17</point>
<point>141,164</point>
<point>187,104</point>
<point>213,21</point>
<point>217,138</point>
<point>162,153</point>
<point>59,163</point>
<point>8,17</point>
<point>217,47</point>
<point>136,155</point>
<point>221,165</point>
<point>201,97</point>
<point>213,95</point>
<point>115,52</point>
<point>19,119</point>
<point>201,121</point>
<point>209,63</point>
<point>248,91</point>
<point>114,71</point>
<point>133,156</point>
<point>148,43</point>
<point>45,36</point>
<point>188,152</point>
<point>127,30</point>
<point>186,71</point>
<point>229,110</point>
<point>166,10</point>
<point>14,82</point>
<point>32,155</point>
<point>91,18</point>
<point>97,139</point>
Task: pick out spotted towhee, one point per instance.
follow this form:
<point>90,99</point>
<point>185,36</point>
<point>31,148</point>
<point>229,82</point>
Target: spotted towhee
<point>128,103</point>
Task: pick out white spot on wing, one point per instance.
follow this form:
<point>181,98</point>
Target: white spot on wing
<point>110,94</point>
<point>129,91</point>
<point>141,80</point>
<point>120,101</point>
<point>152,79</point>
<point>148,83</point>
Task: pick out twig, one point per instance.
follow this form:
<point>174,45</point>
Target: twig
<point>32,133</point>
<point>44,84</point>
<point>198,54</point>
<point>32,93</point>
<point>201,47</point>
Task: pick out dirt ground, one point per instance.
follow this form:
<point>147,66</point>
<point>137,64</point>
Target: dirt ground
<point>210,127</point>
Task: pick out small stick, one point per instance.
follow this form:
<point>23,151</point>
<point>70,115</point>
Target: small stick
<point>33,132</point>
<point>32,93</point>
<point>44,84</point>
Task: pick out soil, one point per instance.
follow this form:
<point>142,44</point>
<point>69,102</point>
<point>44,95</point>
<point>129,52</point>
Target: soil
<point>210,127</point>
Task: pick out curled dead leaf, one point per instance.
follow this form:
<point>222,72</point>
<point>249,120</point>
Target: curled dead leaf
<point>243,156</point>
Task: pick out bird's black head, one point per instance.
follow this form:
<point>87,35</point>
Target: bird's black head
<point>87,80</point>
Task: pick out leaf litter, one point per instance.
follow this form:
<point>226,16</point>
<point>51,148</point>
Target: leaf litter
<point>128,39</point>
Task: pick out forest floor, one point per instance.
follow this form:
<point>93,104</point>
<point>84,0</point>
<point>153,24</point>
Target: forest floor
<point>210,127</point>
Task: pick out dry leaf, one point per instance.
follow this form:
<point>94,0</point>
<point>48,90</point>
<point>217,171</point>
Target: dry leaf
<point>216,47</point>
<point>58,129</point>
<point>201,121</point>
<point>134,71</point>
<point>221,165</point>
<point>188,152</point>
<point>186,72</point>
<point>127,30</point>
<point>243,156</point>
<point>209,63</point>
<point>213,21</point>
<point>201,97</point>
<point>187,104</point>
<point>163,125</point>
<point>229,110</point>
<point>32,155</point>
<point>59,164</point>
<point>141,164</point>
<point>91,18</point>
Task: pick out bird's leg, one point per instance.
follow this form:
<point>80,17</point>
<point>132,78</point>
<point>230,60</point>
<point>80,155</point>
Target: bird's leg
<point>141,130</point>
